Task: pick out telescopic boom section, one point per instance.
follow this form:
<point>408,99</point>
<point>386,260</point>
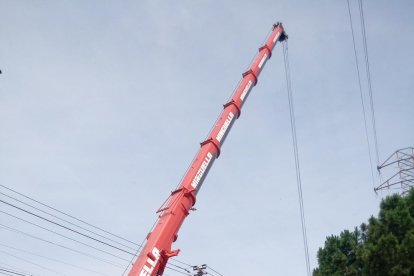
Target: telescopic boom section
<point>153,257</point>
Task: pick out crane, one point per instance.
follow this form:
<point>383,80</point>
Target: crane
<point>154,255</point>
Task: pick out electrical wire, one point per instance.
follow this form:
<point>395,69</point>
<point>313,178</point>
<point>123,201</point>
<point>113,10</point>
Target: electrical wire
<point>361,96</point>
<point>296,153</point>
<point>73,224</point>
<point>368,73</point>
<point>66,237</point>
<point>214,270</point>
<point>12,272</point>
<point>68,215</point>
<point>14,230</point>
<point>138,250</point>
<point>7,274</point>
<point>65,227</point>
<point>173,269</point>
<point>21,232</point>
<point>32,263</point>
<point>181,262</point>
<point>180,267</point>
<point>12,267</point>
<point>52,259</point>
<point>2,268</point>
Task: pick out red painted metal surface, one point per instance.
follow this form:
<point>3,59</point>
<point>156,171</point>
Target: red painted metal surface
<point>155,254</point>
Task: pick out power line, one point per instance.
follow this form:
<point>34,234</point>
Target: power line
<point>173,269</point>
<point>361,95</point>
<point>214,270</point>
<point>7,274</point>
<point>65,227</point>
<point>296,153</point>
<point>6,269</point>
<point>11,229</point>
<point>368,72</point>
<point>64,236</point>
<point>181,262</point>
<point>68,215</point>
<point>52,259</point>
<point>180,267</point>
<point>137,251</point>
<point>32,236</point>
<point>12,272</point>
<point>32,263</point>
<point>73,224</point>
<point>58,224</point>
<point>12,267</point>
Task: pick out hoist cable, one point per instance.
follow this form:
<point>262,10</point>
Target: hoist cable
<point>361,95</point>
<point>296,154</point>
<point>368,72</point>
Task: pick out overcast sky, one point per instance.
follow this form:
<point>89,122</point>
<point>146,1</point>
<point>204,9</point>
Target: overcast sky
<point>103,105</point>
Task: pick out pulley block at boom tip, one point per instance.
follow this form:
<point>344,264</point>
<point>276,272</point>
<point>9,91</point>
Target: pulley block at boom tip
<point>283,36</point>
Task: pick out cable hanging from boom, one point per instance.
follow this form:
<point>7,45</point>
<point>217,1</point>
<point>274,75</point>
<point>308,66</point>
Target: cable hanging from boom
<point>368,73</point>
<point>362,99</point>
<point>296,154</point>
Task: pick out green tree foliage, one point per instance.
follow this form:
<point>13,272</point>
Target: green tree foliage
<point>384,246</point>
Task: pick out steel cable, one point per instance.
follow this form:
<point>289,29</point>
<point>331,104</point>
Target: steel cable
<point>361,96</point>
<point>296,154</point>
<point>368,73</point>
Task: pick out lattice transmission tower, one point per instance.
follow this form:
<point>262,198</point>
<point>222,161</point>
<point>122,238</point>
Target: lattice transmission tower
<point>400,165</point>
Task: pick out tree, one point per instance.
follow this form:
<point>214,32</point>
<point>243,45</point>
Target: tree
<point>384,246</point>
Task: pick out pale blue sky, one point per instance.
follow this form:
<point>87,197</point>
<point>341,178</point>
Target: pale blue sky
<point>103,104</point>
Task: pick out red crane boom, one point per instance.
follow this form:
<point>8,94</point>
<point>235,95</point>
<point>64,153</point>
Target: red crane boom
<point>154,256</point>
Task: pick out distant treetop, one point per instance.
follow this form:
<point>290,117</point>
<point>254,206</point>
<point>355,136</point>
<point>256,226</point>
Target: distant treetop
<point>384,246</point>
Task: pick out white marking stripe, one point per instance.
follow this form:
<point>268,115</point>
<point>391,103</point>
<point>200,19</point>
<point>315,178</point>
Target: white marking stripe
<point>201,170</point>
<point>224,127</point>
<point>246,90</point>
<point>262,61</point>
